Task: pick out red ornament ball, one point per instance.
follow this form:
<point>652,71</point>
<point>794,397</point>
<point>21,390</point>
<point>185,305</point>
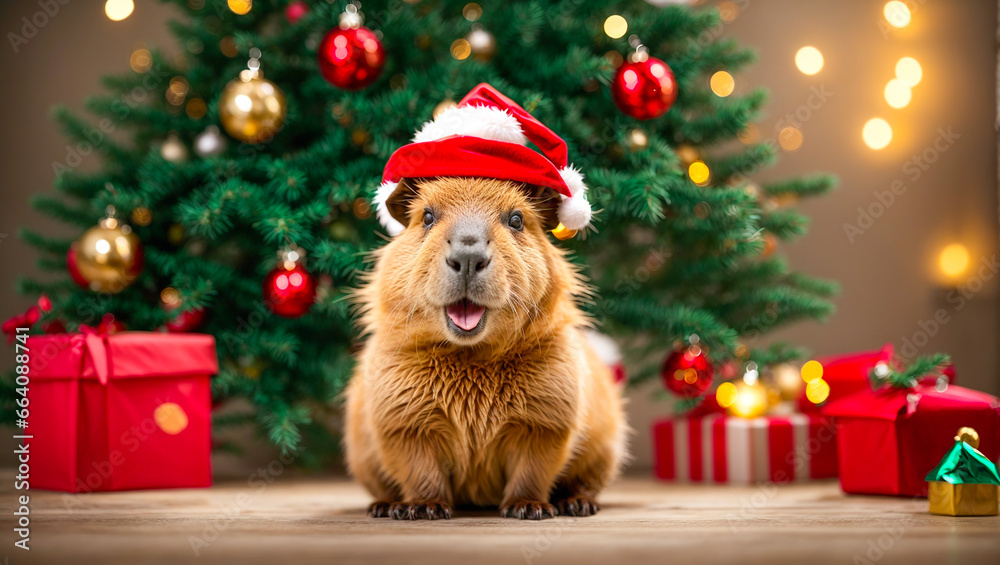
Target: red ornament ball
<point>110,324</point>
<point>688,372</point>
<point>295,10</point>
<point>186,321</point>
<point>644,89</point>
<point>289,292</point>
<point>74,270</point>
<point>351,58</point>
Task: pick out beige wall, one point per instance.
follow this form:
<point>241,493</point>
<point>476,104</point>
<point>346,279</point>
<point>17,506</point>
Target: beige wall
<point>890,283</point>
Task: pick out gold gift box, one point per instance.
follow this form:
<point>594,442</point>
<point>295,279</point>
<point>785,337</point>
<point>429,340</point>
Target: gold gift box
<point>963,500</point>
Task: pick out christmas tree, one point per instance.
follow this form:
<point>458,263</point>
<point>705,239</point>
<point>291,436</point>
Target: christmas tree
<point>252,160</point>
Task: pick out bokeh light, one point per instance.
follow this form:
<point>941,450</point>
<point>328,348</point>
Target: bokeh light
<point>909,71</point>
<point>723,84</point>
<point>897,93</point>
<point>461,49</point>
<point>615,26</point>
<point>896,13</point>
<point>790,138</point>
<point>809,60</point>
<point>118,10</point>
<point>751,401</point>
<point>240,7</point>
<point>877,133</point>
<point>699,173</point>
<point>954,260</point>
<point>725,395</point>
<point>141,60</point>
<point>817,391</point>
<point>811,371</point>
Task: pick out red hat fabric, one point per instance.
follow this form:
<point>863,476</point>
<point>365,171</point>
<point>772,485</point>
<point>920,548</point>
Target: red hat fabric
<point>485,135</point>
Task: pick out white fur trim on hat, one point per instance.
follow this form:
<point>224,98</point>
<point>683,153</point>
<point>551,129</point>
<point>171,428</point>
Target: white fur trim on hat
<point>484,122</point>
<point>574,213</point>
<point>390,224</point>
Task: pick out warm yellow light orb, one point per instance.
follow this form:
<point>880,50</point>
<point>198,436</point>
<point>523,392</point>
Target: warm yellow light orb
<point>811,371</point>
<point>723,84</point>
<point>897,93</point>
<point>615,26</point>
<point>897,14</point>
<point>699,173</point>
<point>817,391</point>
<point>908,70</point>
<point>118,10</point>
<point>877,133</point>
<point>954,260</point>
<point>751,401</point>
<point>240,7</point>
<point>725,395</point>
<point>809,60</point>
<point>790,138</point>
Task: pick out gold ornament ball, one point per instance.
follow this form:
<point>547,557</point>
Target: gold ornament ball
<point>253,110</point>
<point>109,256</point>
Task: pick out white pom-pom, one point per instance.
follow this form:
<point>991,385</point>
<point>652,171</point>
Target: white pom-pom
<point>573,179</point>
<point>574,213</point>
<point>390,224</point>
<point>483,122</point>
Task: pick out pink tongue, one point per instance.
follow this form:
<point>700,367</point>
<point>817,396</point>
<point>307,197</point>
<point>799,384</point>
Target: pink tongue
<point>465,314</point>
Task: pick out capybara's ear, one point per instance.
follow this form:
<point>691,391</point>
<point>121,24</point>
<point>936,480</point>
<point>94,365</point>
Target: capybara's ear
<point>398,203</point>
<point>546,202</point>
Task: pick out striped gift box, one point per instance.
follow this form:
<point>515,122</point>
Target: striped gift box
<point>725,449</point>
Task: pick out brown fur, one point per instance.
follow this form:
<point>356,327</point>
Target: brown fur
<point>523,418</point>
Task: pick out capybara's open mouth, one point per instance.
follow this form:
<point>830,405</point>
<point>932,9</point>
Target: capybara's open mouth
<point>465,318</point>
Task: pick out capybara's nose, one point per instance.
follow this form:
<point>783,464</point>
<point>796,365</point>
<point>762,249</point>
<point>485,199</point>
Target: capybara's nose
<point>468,248</point>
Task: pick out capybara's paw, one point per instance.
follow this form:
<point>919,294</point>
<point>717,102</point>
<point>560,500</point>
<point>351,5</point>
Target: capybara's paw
<point>577,506</point>
<point>426,510</point>
<point>529,510</point>
<point>379,509</point>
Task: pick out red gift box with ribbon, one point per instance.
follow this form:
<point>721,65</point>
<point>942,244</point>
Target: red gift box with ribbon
<point>727,449</point>
<point>125,411</point>
<point>889,439</point>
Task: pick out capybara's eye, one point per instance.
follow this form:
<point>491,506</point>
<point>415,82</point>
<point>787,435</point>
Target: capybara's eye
<point>428,218</point>
<point>515,221</point>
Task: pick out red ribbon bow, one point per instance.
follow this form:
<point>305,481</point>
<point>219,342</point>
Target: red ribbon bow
<point>96,347</point>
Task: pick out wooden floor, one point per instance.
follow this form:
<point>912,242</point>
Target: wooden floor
<point>303,521</point>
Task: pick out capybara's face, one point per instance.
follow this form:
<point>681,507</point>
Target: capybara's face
<point>472,264</point>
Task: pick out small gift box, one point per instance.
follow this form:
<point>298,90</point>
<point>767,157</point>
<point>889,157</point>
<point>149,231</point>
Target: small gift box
<point>119,412</point>
<point>965,482</point>
<point>727,449</point>
<point>889,439</point>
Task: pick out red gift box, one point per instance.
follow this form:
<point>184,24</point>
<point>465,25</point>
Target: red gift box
<point>889,439</point>
<point>727,449</point>
<point>126,411</point>
<point>847,374</point>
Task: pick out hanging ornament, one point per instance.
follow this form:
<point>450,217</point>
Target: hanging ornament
<point>482,43</point>
<point>111,325</point>
<point>295,10</point>
<point>687,372</point>
<point>108,257</point>
<point>173,149</point>
<point>289,290</point>
<point>252,109</point>
<point>643,87</point>
<point>74,270</point>
<point>210,142</point>
<point>185,321</point>
<point>788,382</point>
<point>351,57</point>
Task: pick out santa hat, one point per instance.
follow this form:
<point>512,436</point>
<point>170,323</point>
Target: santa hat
<point>485,135</point>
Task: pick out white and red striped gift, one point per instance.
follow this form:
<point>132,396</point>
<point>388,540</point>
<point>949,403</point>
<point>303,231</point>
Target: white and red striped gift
<point>727,449</point>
